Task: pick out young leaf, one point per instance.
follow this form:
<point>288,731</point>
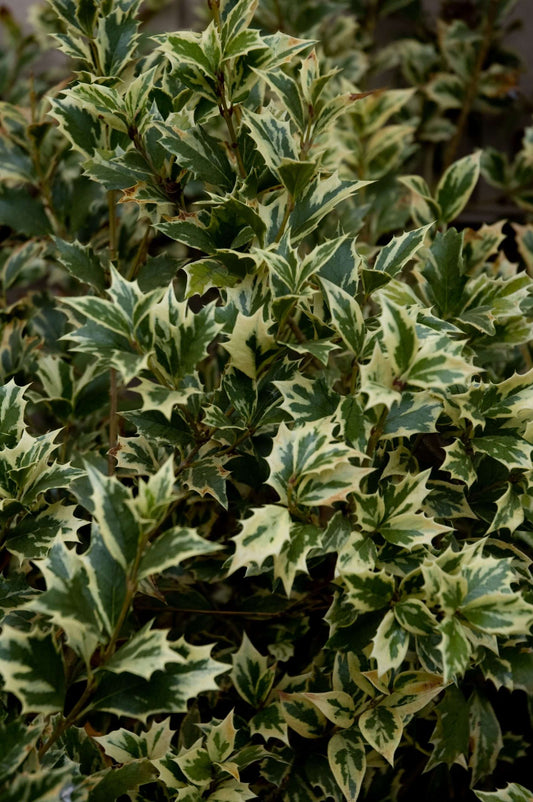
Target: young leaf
<point>220,740</point>
<point>346,316</point>
<point>112,508</point>
<point>125,746</point>
<point>252,677</point>
<point>147,651</point>
<point>456,186</point>
<point>172,548</point>
<point>393,256</point>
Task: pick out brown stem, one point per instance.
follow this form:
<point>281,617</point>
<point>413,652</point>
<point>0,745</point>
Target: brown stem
<point>64,723</point>
<point>279,15</point>
<point>296,330</point>
<point>214,6</point>
<point>141,254</point>
<point>227,113</point>
<point>130,592</point>
<point>245,613</point>
<point>471,92</point>
<point>376,433</point>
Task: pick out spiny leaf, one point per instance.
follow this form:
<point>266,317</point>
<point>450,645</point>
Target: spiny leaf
<point>32,668</point>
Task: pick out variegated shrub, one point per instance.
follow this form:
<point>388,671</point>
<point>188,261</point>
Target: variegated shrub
<point>266,424</point>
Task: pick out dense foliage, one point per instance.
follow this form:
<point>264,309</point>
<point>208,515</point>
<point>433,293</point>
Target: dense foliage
<point>266,414</point>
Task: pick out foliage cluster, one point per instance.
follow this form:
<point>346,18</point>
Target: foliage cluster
<point>266,414</point>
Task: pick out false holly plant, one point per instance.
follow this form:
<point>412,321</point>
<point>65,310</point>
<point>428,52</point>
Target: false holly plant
<point>265,478</point>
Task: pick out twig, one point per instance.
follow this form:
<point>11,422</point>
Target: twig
<point>471,92</point>
<point>113,421</point>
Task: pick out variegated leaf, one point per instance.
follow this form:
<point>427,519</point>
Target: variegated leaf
<point>148,650</point>
<point>269,723</point>
<point>302,715</point>
<point>393,256</point>
<point>125,746</point>
<point>307,399</point>
<point>250,343</point>
<point>12,406</point>
<point>292,556</point>
<point>513,452</point>
<point>414,413</point>
<point>415,617</point>
<point>196,764</point>
<point>113,510</point>
<point>368,590</point>
<point>337,706</point>
<point>455,648</point>
<point>263,535</point>
<point>413,690</point>
<point>220,740</point>
<point>513,792</point>
<point>167,691</point>
<point>172,548</point>
<point>32,669</point>
<point>382,727</point>
<point>72,599</point>
<point>456,186</point>
<point>346,316</point>
<point>458,463</point>
<point>307,457</point>
<point>390,644</point>
<point>485,739</point>
<point>319,199</point>
<point>272,137</point>
<point>251,675</point>
<point>452,730</point>
<point>499,613</point>
<point>347,761</point>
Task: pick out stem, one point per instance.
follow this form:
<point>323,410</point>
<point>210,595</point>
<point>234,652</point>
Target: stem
<point>225,110</point>
<point>113,234</point>
<point>214,6</point>
<point>113,389</point>
<point>227,114</point>
<point>526,354</point>
<point>354,376</point>
<point>113,421</point>
<point>279,14</point>
<point>288,210</point>
<point>246,613</point>
<point>376,433</point>
<point>130,592</point>
<point>296,330</point>
<point>471,92</point>
<point>283,321</point>
<point>141,254</point>
<point>64,723</point>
